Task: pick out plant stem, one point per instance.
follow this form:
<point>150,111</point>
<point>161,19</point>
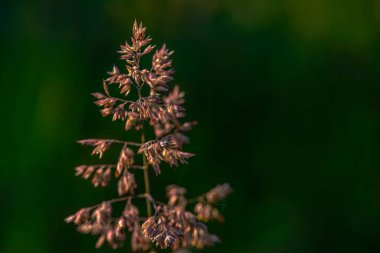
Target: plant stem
<point>145,167</point>
<point>124,142</point>
<point>112,141</point>
<point>121,199</point>
<point>146,176</point>
<point>137,167</point>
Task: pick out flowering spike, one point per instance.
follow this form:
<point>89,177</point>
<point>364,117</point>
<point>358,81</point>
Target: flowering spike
<point>162,108</point>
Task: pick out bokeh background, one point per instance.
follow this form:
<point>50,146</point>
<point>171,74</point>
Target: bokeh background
<point>286,94</point>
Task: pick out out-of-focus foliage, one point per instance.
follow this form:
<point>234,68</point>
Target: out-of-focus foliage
<point>286,94</point>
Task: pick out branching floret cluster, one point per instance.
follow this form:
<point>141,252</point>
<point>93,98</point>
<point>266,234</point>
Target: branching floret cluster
<point>167,225</point>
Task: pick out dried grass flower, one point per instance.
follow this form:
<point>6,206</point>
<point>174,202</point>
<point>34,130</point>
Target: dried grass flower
<point>162,109</point>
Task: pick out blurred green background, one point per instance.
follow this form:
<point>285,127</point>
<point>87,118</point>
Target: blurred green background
<point>286,94</point>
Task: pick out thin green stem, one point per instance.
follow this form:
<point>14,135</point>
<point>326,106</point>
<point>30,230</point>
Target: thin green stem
<point>118,141</point>
<point>123,199</point>
<point>122,100</point>
<point>145,167</point>
<point>135,166</point>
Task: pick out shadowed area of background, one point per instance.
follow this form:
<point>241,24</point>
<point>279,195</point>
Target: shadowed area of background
<point>286,94</point>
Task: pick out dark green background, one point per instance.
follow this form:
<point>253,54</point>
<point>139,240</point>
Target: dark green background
<point>286,94</point>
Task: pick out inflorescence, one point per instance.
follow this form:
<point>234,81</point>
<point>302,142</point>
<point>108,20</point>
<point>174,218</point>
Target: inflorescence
<point>169,225</point>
